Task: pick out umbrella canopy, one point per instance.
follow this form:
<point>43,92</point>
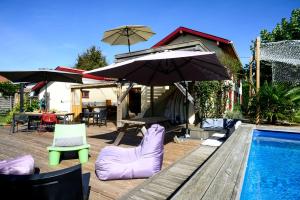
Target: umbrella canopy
<point>41,75</point>
<point>166,68</point>
<point>127,35</point>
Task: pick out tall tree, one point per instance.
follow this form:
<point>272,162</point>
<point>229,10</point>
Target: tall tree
<point>286,30</point>
<point>91,59</point>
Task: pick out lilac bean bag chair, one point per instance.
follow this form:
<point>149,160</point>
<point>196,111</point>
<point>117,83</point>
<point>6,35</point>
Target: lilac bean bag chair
<point>22,165</point>
<point>139,162</point>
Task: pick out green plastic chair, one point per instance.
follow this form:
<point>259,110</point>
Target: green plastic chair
<point>68,132</point>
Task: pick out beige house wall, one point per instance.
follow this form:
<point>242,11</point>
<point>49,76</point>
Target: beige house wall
<point>100,95</point>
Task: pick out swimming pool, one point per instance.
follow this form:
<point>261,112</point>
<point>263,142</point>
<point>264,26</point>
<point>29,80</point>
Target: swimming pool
<point>273,168</point>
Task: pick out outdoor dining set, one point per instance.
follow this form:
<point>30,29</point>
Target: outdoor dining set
<point>46,121</point>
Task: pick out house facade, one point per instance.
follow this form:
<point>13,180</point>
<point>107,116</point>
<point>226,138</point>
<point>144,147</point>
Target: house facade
<point>212,43</point>
<point>167,100</point>
<point>59,94</point>
<point>185,39</point>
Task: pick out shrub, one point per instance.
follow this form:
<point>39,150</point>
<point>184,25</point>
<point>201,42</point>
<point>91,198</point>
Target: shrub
<point>28,107</point>
<point>276,102</point>
<point>236,113</point>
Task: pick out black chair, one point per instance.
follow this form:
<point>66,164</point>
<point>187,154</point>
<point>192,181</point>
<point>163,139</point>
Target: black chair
<point>100,117</point>
<point>66,184</point>
<point>85,116</point>
<point>21,119</point>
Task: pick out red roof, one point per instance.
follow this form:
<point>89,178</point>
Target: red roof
<point>3,79</point>
<point>181,30</point>
<point>72,70</point>
<point>38,85</point>
<point>79,71</point>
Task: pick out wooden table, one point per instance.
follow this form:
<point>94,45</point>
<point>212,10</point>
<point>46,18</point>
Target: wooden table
<point>140,124</point>
<point>65,116</point>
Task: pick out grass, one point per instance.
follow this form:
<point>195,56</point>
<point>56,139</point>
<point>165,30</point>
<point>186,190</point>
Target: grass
<point>2,120</point>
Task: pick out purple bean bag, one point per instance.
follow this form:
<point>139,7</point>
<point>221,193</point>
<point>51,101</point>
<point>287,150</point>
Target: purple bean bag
<point>139,162</point>
<point>22,165</point>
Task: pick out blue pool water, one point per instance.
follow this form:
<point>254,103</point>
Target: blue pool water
<point>273,168</point>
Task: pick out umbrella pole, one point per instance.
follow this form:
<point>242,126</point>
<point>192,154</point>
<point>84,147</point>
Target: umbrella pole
<point>186,109</point>
<point>152,100</point>
<point>128,41</point>
<point>21,97</point>
<point>46,97</point>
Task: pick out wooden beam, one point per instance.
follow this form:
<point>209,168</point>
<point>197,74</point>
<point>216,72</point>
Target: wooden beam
<point>257,62</point>
<point>119,106</point>
<point>95,85</point>
<point>152,100</point>
<point>122,97</point>
<point>250,76</point>
<point>183,91</point>
<point>21,97</point>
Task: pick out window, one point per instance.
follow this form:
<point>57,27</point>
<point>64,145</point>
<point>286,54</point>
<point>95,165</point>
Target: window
<point>85,94</point>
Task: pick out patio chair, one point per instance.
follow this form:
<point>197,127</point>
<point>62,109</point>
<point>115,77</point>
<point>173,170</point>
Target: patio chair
<point>21,119</point>
<point>48,121</point>
<point>100,117</point>
<point>66,184</point>
<point>139,162</point>
<point>85,117</point>
<point>69,137</point>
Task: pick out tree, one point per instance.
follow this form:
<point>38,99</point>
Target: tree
<point>275,99</point>
<point>91,59</point>
<point>8,89</point>
<point>233,65</point>
<point>286,30</point>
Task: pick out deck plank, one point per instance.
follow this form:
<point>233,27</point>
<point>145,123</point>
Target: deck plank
<point>225,180</point>
<point>21,143</point>
<point>216,179</point>
<point>168,181</point>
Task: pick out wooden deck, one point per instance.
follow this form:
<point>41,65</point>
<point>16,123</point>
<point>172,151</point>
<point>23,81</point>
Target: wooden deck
<point>164,184</point>
<point>34,143</point>
<point>221,176</point>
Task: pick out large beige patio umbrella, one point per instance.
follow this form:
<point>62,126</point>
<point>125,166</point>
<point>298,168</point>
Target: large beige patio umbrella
<point>167,68</point>
<point>127,35</point>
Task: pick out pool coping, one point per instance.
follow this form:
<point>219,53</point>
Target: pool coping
<point>220,177</point>
<point>242,172</point>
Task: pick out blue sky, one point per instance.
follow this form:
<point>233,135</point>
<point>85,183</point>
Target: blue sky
<point>49,33</point>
